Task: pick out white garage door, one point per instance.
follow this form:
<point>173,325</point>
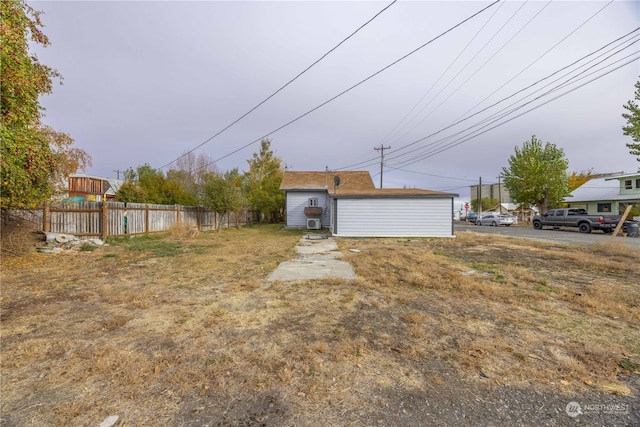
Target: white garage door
<point>394,217</point>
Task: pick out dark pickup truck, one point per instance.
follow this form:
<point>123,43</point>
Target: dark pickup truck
<point>572,217</point>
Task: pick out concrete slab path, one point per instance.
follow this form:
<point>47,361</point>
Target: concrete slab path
<point>317,260</point>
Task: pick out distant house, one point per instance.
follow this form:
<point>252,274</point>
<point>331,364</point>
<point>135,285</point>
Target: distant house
<point>607,195</point>
<point>348,204</point>
<point>91,188</point>
<point>522,212</point>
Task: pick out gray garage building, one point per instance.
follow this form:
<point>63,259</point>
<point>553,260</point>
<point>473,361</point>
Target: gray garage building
<point>355,208</point>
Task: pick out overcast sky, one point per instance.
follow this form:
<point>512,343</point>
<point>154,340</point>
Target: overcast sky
<point>146,81</point>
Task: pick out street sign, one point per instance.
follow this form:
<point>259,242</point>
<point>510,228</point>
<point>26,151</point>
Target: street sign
<point>466,206</point>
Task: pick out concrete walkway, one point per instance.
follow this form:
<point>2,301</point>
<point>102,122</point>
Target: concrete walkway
<point>317,260</point>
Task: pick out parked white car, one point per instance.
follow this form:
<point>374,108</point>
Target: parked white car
<point>495,220</point>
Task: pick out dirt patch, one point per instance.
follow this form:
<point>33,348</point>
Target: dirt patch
<point>183,329</point>
<point>19,234</point>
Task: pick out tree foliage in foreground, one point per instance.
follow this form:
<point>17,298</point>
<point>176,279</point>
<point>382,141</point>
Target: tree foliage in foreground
<point>33,156</point>
<point>632,128</point>
<point>537,175</point>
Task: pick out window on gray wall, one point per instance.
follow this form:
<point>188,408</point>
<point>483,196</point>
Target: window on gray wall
<point>604,207</point>
<point>627,184</point>
<point>313,202</point>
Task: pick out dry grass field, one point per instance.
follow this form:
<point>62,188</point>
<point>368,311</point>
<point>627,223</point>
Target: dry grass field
<point>184,330</point>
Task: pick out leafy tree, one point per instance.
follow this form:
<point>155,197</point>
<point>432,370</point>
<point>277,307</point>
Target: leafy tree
<point>537,175</point>
<point>67,159</point>
<point>27,166</point>
<point>149,185</point>
<point>577,179</point>
<point>131,192</point>
<point>154,183</point>
<point>176,194</point>
<point>262,182</point>
<point>32,156</point>
<point>183,189</point>
<point>223,192</point>
<point>632,128</point>
<point>487,204</point>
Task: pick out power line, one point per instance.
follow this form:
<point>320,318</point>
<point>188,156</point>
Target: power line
<point>356,85</point>
<point>285,85</point>
<point>371,161</point>
<point>540,57</point>
<point>365,162</point>
<point>477,69</point>
<point>442,75</point>
<point>466,138</point>
<point>459,120</point>
<point>502,100</point>
<point>502,115</point>
<point>473,74</point>
<point>433,175</point>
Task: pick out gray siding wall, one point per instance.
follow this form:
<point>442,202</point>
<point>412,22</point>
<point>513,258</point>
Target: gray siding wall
<point>394,217</point>
<point>298,200</point>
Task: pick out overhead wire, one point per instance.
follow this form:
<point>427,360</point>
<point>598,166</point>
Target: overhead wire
<point>519,73</point>
<point>375,160</point>
<point>477,69</point>
<point>501,113</point>
<point>386,137</point>
<point>282,87</point>
<point>434,175</point>
<point>538,58</point>
<point>476,133</point>
<point>630,43</point>
<point>355,85</point>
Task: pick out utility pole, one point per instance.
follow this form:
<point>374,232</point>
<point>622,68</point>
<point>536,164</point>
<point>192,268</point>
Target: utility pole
<point>118,171</point>
<point>500,193</point>
<point>381,149</point>
<point>479,213</point>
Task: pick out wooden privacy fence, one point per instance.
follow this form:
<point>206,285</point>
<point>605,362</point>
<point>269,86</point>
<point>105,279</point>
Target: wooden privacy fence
<point>106,219</point>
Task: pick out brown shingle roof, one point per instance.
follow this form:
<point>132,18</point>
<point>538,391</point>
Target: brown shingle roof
<point>349,180</point>
<point>391,192</point>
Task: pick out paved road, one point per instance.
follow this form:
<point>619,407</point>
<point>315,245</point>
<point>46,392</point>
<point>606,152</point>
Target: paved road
<point>562,235</point>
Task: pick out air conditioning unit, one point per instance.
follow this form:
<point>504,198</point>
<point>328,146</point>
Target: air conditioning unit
<point>313,224</point>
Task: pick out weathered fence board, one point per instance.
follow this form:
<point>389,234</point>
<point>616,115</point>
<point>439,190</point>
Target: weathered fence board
<point>117,219</point>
